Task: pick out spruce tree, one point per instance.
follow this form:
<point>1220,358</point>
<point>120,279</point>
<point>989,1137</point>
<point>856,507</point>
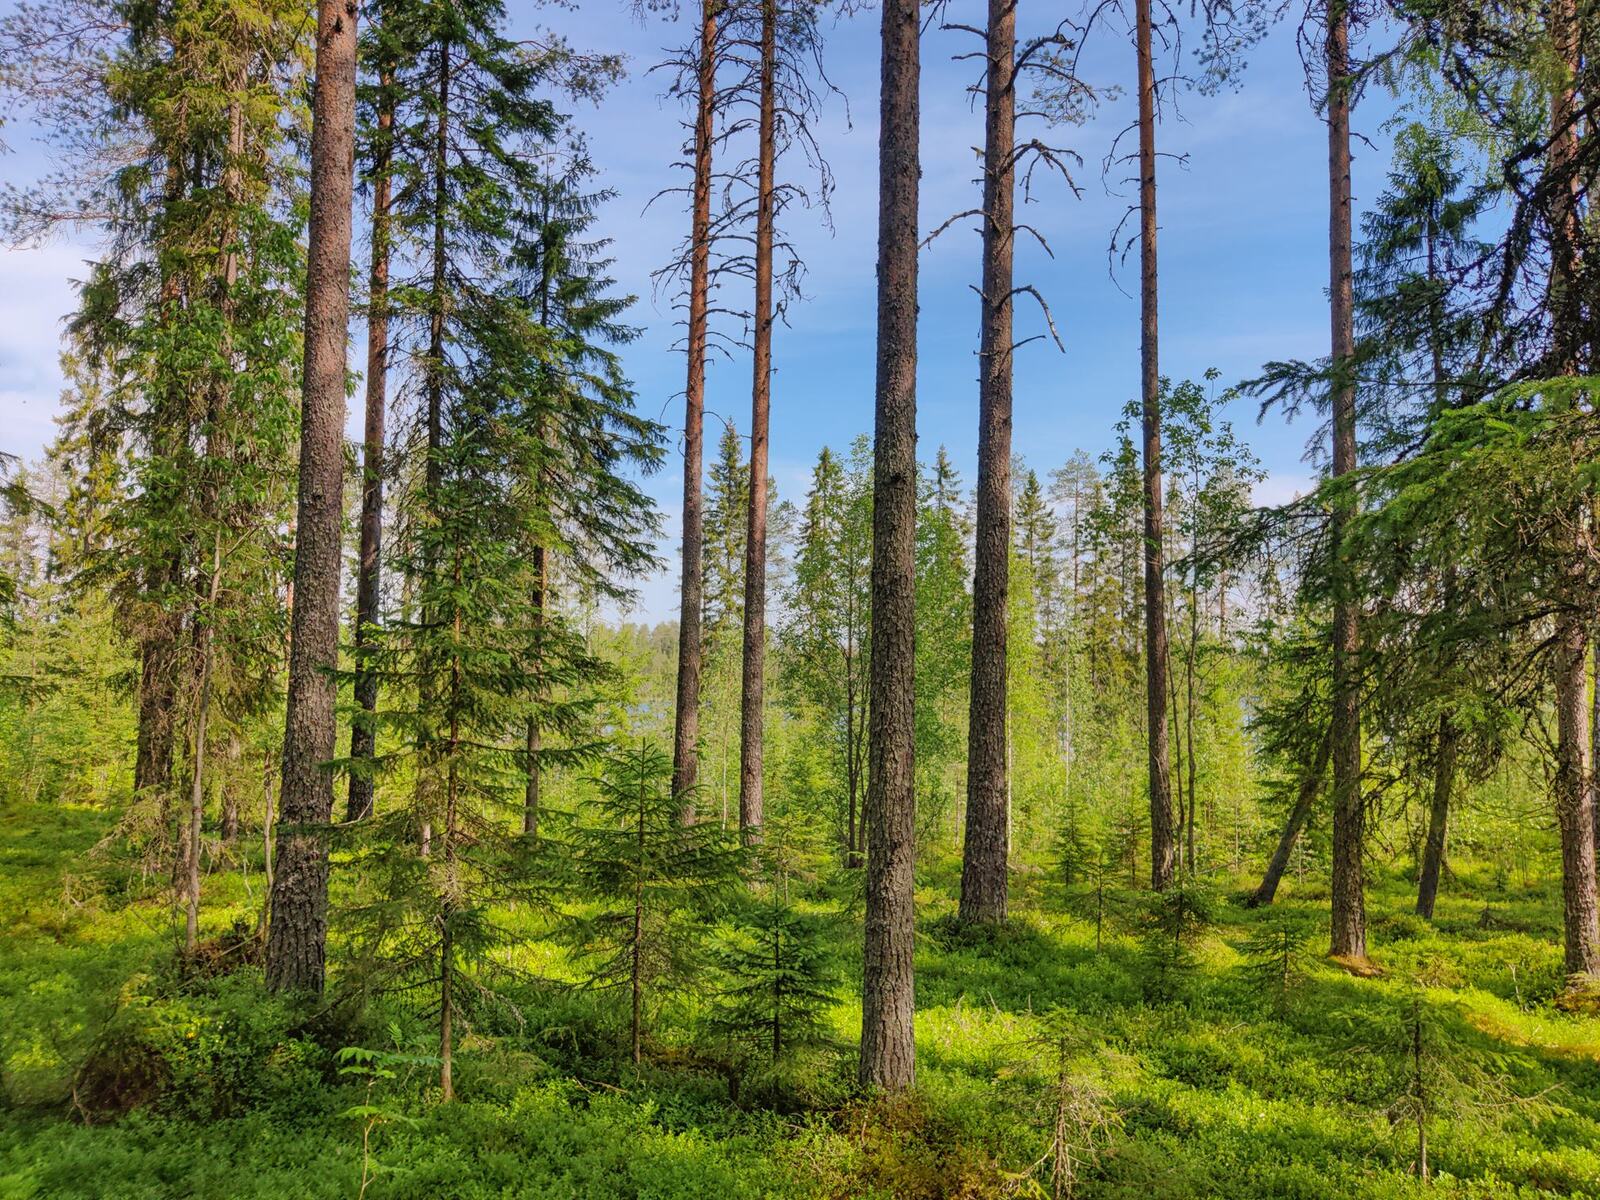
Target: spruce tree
<point>824,646</point>
<point>526,433</point>
<point>644,876</point>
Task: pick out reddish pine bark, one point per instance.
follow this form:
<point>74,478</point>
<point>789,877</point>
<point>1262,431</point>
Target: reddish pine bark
<point>297,935</point>
<point>686,727</point>
<point>888,1047</point>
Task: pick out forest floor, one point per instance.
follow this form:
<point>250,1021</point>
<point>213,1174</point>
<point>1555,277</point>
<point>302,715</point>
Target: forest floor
<point>1194,1077</point>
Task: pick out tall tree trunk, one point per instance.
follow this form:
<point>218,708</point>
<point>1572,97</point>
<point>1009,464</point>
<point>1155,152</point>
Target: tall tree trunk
<point>1305,797</point>
<point>158,641</point>
<point>1157,663</point>
<point>297,936</point>
<point>1349,918</point>
<point>986,849</point>
<point>1574,783</point>
<point>158,685</point>
<point>1594,740</point>
<point>888,1044</point>
<point>363,733</point>
<point>1444,774</point>
<point>1575,800</point>
<point>752,699</point>
<point>686,726</point>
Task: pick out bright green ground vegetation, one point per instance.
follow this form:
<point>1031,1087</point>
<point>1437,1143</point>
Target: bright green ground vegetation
<point>1231,1087</point>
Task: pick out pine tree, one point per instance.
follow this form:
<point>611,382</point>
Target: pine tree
<point>985,863</point>
<point>1349,920</point>
<point>1157,659</point>
<point>297,934</point>
<point>752,693</point>
<point>888,1051</point>
<point>686,731</point>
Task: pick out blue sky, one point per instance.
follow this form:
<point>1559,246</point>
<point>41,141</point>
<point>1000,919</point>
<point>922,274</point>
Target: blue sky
<point>1243,244</point>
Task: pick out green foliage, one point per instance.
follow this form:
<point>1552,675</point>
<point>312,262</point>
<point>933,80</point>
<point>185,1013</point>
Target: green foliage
<point>825,649</point>
<point>1215,1096</point>
<point>644,878</point>
<point>1172,922</point>
<point>777,981</point>
<point>1429,1067</point>
<point>1275,955</point>
<point>211,1051</point>
<point>1072,1101</point>
<point>944,642</point>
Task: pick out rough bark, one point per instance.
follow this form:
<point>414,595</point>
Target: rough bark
<point>1574,782</point>
<point>986,849</point>
<point>1157,657</point>
<point>158,641</point>
<point>1594,743</point>
<point>363,734</point>
<point>297,935</point>
<point>1349,919</point>
<point>1575,801</point>
<point>752,698</point>
<point>1444,775</point>
<point>158,686</point>
<point>686,726</point>
<point>888,1049</point>
<point>1305,798</point>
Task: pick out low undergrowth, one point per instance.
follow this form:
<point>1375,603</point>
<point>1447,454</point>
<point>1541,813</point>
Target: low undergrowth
<point>1226,1058</point>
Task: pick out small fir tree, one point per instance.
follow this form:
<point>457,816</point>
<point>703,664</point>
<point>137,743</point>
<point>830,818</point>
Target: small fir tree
<point>1173,921</point>
<point>777,981</point>
<point>646,880</point>
<point>1276,957</point>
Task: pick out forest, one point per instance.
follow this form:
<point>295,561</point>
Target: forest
<point>1104,827</point>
